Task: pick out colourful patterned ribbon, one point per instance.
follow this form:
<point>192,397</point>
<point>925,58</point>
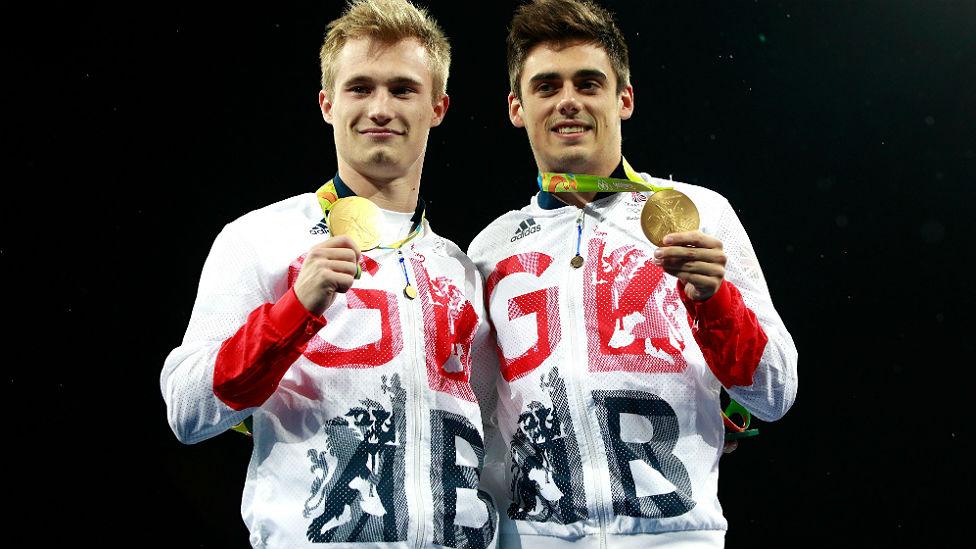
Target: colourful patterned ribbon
<point>581,183</point>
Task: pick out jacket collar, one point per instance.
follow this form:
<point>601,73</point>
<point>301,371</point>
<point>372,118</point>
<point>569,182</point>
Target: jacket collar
<point>343,190</point>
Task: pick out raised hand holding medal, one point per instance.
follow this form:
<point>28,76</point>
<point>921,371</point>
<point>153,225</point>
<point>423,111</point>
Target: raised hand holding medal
<point>358,219</point>
<point>669,220</point>
<point>329,268</point>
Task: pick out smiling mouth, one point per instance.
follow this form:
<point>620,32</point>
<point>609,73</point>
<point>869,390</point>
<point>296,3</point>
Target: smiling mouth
<point>570,129</point>
<point>380,132</point>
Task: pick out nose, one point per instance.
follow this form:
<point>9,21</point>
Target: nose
<point>568,104</point>
<point>381,107</point>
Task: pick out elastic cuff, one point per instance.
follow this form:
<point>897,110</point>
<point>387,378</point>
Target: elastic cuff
<point>716,307</point>
<point>289,317</point>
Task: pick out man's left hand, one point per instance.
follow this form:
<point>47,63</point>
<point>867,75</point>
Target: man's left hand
<point>695,259</point>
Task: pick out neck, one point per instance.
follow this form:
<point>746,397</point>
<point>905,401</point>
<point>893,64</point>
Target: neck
<point>394,193</point>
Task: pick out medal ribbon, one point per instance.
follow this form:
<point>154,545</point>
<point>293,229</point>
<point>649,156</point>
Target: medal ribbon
<point>581,183</point>
<point>414,232</point>
<point>328,196</point>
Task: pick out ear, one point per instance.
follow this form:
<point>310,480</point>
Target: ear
<point>515,110</point>
<point>326,107</point>
<point>627,102</point>
<point>440,110</point>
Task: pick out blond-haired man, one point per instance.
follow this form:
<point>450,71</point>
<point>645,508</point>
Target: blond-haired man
<point>349,353</point>
<point>614,350</point>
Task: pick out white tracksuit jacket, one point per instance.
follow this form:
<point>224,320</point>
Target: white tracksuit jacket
<point>607,429</point>
<point>366,430</point>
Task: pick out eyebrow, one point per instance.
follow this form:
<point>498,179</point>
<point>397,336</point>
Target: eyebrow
<point>580,74</point>
<point>396,80</point>
<point>590,73</point>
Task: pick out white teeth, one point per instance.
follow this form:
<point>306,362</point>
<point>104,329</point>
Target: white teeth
<point>570,129</point>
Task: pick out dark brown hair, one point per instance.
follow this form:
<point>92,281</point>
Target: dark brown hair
<point>564,22</point>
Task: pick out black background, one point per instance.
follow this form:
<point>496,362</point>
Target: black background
<point>842,132</point>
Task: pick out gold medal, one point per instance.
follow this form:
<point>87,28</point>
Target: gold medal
<point>576,262</point>
<point>358,218</point>
<point>668,211</point>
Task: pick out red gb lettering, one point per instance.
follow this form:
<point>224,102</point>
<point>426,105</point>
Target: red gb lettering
<point>632,313</point>
<point>544,303</point>
<point>380,351</point>
<point>450,323</point>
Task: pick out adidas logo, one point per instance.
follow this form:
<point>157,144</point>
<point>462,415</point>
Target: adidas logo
<point>319,228</point>
<point>526,228</point>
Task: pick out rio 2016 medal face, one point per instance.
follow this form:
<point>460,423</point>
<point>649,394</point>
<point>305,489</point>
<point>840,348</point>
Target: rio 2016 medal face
<point>668,211</point>
<point>358,218</point>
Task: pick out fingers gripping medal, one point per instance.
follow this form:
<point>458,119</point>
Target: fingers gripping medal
<point>359,219</point>
<point>668,211</point>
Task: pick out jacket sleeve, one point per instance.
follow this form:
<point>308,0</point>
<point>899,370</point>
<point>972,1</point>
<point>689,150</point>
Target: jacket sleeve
<point>240,341</point>
<point>740,333</point>
<point>484,362</point>
<point>486,381</point>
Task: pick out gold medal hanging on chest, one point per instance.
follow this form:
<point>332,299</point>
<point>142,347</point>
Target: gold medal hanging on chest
<point>668,211</point>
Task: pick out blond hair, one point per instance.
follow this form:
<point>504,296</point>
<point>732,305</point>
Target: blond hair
<point>387,21</point>
<point>564,22</point>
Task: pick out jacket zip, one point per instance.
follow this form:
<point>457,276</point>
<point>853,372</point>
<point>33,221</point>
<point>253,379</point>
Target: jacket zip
<point>574,286</point>
<point>419,385</point>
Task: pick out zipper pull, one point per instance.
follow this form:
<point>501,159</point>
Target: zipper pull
<point>577,261</point>
<point>408,290</point>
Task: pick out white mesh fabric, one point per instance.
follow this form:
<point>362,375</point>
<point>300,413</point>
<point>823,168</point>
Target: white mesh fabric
<point>230,288</point>
<point>775,381</point>
<point>624,331</point>
<point>345,446</point>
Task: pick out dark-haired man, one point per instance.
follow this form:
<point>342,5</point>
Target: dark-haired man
<point>614,350</point>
